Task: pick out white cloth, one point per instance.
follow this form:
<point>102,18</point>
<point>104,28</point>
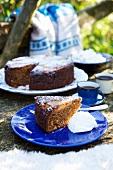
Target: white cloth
<point>98,158</point>
<point>43,36</point>
<point>55,31</point>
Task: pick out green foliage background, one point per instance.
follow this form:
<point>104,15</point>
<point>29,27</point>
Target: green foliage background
<point>99,36</point>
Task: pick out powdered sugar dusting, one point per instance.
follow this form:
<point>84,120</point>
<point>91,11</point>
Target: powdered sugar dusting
<point>47,99</point>
<point>53,63</point>
<point>42,60</point>
<point>22,61</point>
<point>23,87</point>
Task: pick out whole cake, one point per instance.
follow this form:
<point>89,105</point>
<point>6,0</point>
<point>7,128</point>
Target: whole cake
<point>39,72</point>
<point>54,112</point>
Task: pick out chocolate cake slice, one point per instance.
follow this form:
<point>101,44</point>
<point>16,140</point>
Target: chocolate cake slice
<point>54,112</point>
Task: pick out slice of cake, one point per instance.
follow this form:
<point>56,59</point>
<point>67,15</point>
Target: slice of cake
<point>54,112</point>
<point>17,71</point>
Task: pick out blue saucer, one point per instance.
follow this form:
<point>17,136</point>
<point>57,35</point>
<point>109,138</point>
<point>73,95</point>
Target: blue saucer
<point>97,103</point>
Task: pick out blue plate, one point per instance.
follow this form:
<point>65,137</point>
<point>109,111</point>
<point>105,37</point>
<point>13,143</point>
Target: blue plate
<point>24,125</point>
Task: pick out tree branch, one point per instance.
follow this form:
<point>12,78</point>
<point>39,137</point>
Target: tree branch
<point>19,30</point>
<point>89,16</point>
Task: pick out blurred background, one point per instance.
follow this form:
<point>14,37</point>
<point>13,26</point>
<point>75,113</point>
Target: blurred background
<point>98,36</point>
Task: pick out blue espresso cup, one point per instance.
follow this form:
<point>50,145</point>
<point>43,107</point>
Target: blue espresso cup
<point>89,91</point>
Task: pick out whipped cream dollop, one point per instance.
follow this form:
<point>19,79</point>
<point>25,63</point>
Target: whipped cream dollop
<point>88,56</point>
<point>82,122</point>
